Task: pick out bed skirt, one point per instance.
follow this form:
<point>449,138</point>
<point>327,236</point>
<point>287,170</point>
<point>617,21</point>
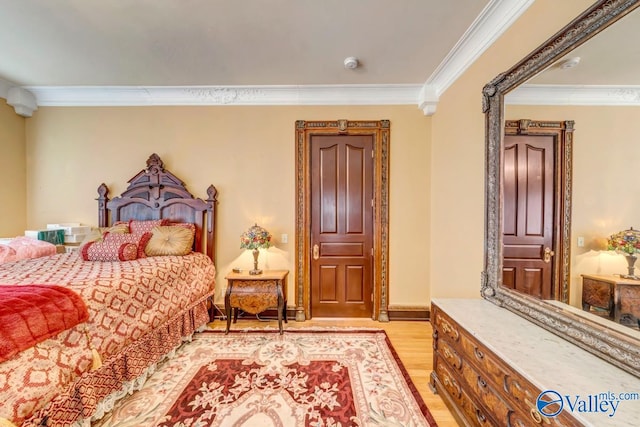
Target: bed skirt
<point>95,392</point>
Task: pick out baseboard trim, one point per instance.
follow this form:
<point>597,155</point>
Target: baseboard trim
<point>395,313</point>
<point>403,312</point>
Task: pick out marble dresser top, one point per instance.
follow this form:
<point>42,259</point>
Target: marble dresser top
<point>548,361</point>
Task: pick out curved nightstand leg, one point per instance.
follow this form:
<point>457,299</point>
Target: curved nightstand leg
<point>227,308</point>
<point>280,305</point>
<point>284,311</point>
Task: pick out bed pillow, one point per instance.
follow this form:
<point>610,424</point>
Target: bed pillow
<point>170,240</point>
<point>97,234</point>
<point>141,227</point>
<point>140,240</point>
<point>109,251</point>
<point>119,228</point>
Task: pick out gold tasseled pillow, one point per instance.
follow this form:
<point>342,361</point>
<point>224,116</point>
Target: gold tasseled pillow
<point>170,240</point>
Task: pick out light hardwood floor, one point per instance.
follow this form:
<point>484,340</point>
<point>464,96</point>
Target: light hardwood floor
<point>411,339</point>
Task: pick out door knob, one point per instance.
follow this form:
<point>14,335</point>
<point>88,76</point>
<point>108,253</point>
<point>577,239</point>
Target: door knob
<point>316,251</point>
<point>548,253</point>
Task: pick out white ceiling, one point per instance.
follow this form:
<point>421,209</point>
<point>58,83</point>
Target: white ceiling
<point>261,52</point>
<point>228,42</point>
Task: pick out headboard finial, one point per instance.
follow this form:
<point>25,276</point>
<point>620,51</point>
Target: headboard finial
<point>155,161</point>
<point>212,192</point>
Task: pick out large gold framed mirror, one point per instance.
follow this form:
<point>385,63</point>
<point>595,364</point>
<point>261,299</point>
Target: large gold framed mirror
<point>616,344</point>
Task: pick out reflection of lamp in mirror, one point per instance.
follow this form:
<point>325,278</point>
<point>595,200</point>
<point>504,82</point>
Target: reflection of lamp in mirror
<point>626,242</point>
<point>255,238</point>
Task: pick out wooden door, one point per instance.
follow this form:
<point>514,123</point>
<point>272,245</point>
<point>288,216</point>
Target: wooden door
<point>528,216</point>
<point>341,225</point>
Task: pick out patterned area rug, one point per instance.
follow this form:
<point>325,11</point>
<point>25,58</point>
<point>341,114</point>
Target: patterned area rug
<point>261,378</point>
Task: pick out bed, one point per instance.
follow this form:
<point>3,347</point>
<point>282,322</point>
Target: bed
<point>22,247</point>
<point>121,316</point>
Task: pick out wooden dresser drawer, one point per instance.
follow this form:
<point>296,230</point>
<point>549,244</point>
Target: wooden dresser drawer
<point>473,413</point>
<point>488,397</point>
<point>597,293</point>
<point>485,361</point>
<point>448,379</point>
<point>448,329</point>
<point>448,353</point>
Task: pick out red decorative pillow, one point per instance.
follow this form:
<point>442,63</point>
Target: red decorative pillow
<point>141,227</point>
<point>140,240</point>
<point>109,251</point>
<point>189,225</point>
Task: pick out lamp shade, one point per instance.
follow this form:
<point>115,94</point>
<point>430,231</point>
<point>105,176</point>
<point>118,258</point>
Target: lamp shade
<point>255,237</point>
<point>626,241</point>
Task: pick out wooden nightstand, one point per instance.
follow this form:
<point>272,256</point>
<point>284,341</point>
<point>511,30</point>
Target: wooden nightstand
<point>256,293</point>
<point>616,295</point>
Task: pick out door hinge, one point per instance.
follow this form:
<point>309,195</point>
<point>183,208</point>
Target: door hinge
<point>371,251</point>
<point>371,202</point>
<point>371,296</point>
<point>372,154</point>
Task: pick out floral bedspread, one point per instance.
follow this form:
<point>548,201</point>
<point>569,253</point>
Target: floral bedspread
<point>125,300</point>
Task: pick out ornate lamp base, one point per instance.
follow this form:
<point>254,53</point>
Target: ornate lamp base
<point>255,270</point>
<point>631,260</point>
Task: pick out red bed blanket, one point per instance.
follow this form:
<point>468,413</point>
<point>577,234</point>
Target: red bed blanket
<point>30,314</point>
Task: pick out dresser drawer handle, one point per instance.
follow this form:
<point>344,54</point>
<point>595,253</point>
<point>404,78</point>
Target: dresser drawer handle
<point>482,383</point>
<point>480,416</point>
<point>535,415</point>
<point>479,354</point>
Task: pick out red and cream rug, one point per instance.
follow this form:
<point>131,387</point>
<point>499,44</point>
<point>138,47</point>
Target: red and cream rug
<point>255,378</point>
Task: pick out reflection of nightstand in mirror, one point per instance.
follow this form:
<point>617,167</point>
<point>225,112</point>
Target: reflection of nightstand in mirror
<point>611,295</point>
<point>254,293</point>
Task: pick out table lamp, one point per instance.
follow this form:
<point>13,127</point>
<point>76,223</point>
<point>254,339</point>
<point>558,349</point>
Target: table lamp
<point>626,242</point>
<point>255,238</point>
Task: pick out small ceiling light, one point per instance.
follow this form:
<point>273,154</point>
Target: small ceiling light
<point>351,63</point>
<point>569,62</point>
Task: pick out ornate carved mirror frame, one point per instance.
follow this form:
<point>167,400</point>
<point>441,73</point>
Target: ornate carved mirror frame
<point>616,347</point>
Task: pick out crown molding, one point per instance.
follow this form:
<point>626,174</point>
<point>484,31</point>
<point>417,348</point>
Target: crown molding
<point>22,101</point>
<point>613,95</point>
<point>494,20</point>
<point>225,95</point>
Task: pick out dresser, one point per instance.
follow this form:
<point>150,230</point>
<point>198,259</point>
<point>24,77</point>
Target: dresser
<point>614,295</point>
<point>490,365</point>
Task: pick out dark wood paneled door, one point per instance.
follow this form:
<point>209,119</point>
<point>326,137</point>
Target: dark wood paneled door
<point>341,225</point>
<point>528,215</point>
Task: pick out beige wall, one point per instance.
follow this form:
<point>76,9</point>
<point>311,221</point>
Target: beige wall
<point>246,152</point>
<point>606,198</point>
<point>457,192</point>
<point>437,166</point>
<point>13,174</point>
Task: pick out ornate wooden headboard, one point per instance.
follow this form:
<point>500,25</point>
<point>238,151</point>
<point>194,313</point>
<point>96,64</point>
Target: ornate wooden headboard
<point>156,193</point>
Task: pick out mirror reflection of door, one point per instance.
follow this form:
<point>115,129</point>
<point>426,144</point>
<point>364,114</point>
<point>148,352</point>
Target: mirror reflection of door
<point>342,225</point>
<point>535,156</point>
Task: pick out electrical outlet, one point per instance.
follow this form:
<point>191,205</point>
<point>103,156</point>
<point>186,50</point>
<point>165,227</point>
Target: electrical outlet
<point>284,238</point>
<point>581,242</point>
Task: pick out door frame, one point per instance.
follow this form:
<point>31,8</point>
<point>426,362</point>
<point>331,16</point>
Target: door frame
<point>562,131</point>
<point>380,130</point>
